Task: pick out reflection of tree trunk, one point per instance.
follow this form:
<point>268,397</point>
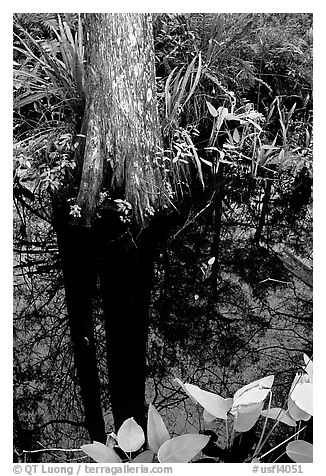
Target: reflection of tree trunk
<point>263,213</point>
<point>126,274</point>
<point>75,247</point>
<point>217,227</point>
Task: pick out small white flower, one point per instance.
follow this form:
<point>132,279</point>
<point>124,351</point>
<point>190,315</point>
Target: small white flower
<point>75,211</point>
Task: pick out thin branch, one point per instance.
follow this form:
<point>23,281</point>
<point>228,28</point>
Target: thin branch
<point>282,443</point>
<point>53,422</point>
<point>31,209</point>
<point>193,219</point>
<point>50,450</point>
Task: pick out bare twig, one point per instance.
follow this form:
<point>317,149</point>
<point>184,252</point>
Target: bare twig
<point>193,219</point>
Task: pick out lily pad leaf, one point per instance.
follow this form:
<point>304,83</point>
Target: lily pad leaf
<point>182,448</point>
<point>245,421</point>
<point>250,401</point>
<point>157,433</point>
<point>214,404</point>
<point>280,415</point>
<point>265,382</point>
<point>144,457</point>
<point>302,397</point>
<point>300,451</point>
<point>130,436</point>
<point>295,412</point>
<point>251,395</point>
<point>101,453</point>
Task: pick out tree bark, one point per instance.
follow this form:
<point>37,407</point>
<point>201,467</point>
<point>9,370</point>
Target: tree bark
<point>123,138</point>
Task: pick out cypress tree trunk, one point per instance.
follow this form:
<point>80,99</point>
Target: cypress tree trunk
<point>123,138</point>
<point>119,155</point>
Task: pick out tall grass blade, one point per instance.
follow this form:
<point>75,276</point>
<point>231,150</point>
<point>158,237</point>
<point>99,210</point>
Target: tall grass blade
<point>198,164</point>
<point>80,40</point>
<point>30,99</point>
<point>185,80</point>
<point>168,97</point>
<point>196,80</point>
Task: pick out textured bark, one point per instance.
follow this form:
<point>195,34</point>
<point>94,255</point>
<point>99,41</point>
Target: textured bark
<point>92,158</point>
<point>122,125</point>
